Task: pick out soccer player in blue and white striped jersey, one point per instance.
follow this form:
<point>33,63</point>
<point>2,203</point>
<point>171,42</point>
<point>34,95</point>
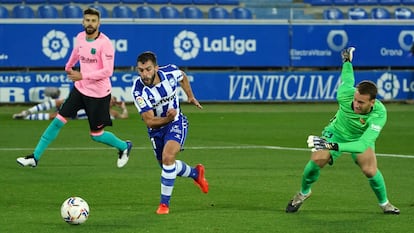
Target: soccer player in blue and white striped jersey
<point>155,97</point>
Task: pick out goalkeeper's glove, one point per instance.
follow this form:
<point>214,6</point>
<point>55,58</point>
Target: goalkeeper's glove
<point>347,54</point>
<point>317,143</point>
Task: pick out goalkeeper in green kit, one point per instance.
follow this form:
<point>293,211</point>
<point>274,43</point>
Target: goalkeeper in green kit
<point>354,129</point>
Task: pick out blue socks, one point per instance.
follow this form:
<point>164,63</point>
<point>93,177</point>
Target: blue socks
<point>168,176</point>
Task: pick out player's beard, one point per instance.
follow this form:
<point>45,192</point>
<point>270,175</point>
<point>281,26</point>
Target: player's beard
<point>90,30</point>
<point>149,81</point>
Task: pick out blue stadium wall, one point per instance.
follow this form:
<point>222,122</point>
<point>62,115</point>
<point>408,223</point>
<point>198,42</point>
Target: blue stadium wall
<point>228,61</point>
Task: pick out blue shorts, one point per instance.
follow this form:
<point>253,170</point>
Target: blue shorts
<point>176,131</point>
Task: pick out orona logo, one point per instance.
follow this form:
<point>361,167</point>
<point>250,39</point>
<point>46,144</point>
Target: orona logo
<point>55,45</point>
<point>337,40</point>
<point>406,39</point>
<point>388,86</point>
<point>187,45</point>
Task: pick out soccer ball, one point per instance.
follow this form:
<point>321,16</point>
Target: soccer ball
<point>74,210</point>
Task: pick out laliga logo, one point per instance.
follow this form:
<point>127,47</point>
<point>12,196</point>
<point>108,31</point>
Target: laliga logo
<point>55,45</point>
<point>332,43</point>
<point>403,41</point>
<point>388,86</point>
<point>186,45</point>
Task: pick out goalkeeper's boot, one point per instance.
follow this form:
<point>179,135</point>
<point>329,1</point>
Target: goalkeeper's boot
<point>27,161</point>
<point>390,209</point>
<point>201,181</point>
<point>347,54</point>
<point>21,115</point>
<point>294,204</point>
<point>163,209</point>
<point>124,155</point>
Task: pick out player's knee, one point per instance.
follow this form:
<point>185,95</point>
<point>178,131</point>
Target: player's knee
<point>321,157</point>
<point>369,171</point>
<point>168,159</point>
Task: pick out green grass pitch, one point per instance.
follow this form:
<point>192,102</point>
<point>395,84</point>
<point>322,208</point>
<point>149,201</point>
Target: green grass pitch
<point>254,156</point>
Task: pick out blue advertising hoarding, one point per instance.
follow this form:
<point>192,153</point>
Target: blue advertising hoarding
<point>378,45</point>
<point>256,43</point>
<point>192,45</point>
<point>315,86</point>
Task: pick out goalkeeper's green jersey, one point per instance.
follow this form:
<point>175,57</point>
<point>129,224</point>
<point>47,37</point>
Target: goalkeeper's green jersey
<point>355,132</point>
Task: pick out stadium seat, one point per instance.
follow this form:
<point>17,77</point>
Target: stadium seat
<point>356,13</point>
<point>192,12</point>
<point>403,13</point>
<point>169,12</point>
<point>84,1</point>
<point>72,11</point>
<point>30,1</point>
<point>22,11</point>
<point>380,13</point>
<point>344,2</point>
<point>158,1</point>
<point>146,12</point>
<point>241,13</point>
<point>11,1</point>
<point>389,2</point>
<point>132,1</point>
<point>47,11</point>
<point>228,2</point>
<point>101,9</point>
<point>204,2</point>
<point>59,1</point>
<point>122,11</point>
<point>181,2</point>
<point>112,1</point>
<point>407,2</point>
<point>321,2</point>
<point>332,13</point>
<point>367,2</point>
<point>217,12</point>
<point>4,13</point>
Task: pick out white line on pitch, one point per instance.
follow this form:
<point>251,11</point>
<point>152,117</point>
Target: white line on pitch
<point>198,148</point>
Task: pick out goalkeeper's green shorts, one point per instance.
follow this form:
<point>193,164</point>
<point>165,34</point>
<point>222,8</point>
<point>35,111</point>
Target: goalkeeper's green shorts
<point>331,135</point>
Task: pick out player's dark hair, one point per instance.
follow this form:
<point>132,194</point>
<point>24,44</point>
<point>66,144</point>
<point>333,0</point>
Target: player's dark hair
<point>147,56</point>
<point>92,11</point>
<point>367,87</point>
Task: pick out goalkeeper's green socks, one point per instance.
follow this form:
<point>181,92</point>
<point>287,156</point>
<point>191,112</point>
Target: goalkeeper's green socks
<point>310,176</point>
<point>48,136</point>
<point>377,184</point>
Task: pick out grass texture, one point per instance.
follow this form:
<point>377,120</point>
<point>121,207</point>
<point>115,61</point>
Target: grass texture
<point>254,156</point>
